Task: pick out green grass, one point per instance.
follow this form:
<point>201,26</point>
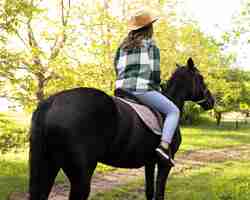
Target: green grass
<point>13,174</point>
<point>232,180</point>
<point>224,181</point>
<point>209,136</point>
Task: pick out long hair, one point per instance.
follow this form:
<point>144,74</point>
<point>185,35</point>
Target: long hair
<point>135,37</point>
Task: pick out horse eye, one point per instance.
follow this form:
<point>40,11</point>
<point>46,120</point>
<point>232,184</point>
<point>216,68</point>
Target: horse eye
<point>201,78</point>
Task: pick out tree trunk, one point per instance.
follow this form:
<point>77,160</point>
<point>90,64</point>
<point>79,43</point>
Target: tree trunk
<point>218,116</point>
<point>40,89</point>
<point>237,124</point>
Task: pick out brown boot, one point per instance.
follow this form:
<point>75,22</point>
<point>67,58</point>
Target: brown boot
<point>164,152</point>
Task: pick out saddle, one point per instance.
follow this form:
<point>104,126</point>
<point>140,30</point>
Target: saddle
<point>150,117</point>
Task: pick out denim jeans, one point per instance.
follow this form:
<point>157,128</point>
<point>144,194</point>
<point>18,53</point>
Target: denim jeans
<point>159,102</point>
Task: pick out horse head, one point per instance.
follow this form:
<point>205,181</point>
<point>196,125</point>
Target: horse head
<point>187,84</point>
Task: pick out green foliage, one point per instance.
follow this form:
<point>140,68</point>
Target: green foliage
<point>76,48</point>
<point>232,90</point>
<point>13,136</point>
<point>191,113</point>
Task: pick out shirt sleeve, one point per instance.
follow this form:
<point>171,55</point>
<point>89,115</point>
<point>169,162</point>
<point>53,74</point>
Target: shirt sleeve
<point>155,64</point>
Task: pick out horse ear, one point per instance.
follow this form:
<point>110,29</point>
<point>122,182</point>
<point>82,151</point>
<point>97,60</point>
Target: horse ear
<point>190,64</point>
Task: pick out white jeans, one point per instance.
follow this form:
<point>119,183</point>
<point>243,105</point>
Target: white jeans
<point>158,101</point>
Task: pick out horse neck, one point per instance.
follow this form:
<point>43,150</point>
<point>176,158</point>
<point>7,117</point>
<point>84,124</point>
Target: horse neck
<point>177,95</point>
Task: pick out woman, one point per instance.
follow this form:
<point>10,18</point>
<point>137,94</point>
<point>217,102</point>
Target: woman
<point>137,65</point>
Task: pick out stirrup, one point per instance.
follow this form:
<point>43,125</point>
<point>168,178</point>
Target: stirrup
<point>161,152</point>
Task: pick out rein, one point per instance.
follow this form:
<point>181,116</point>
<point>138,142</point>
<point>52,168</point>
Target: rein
<point>195,91</point>
<point>201,101</point>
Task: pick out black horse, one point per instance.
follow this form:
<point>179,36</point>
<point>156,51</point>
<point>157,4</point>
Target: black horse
<point>75,129</point>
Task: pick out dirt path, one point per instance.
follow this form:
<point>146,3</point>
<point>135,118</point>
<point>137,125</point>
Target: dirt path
<point>189,160</point>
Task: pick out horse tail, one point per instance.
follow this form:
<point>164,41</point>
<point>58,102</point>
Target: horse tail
<point>37,147</point>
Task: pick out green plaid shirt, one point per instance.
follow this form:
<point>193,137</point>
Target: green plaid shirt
<point>138,69</point>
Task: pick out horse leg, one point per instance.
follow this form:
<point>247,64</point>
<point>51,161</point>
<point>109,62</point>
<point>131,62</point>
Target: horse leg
<point>149,180</point>
<point>49,178</point>
<point>162,175</point>
<point>79,176</point>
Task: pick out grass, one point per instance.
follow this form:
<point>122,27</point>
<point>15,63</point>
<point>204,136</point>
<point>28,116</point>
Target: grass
<point>200,184</point>
<point>209,136</point>
<point>224,181</point>
<point>13,174</point>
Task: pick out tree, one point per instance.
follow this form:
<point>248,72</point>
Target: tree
<point>75,45</point>
<point>239,35</point>
<point>29,68</point>
<point>231,91</point>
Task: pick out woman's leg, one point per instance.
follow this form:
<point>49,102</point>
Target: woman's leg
<point>161,103</point>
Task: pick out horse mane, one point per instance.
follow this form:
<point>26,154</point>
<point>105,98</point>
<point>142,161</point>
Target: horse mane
<point>166,84</point>
<point>180,70</point>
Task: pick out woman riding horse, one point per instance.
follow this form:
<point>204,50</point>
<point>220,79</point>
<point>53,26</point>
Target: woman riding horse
<point>75,129</point>
<point>137,66</point>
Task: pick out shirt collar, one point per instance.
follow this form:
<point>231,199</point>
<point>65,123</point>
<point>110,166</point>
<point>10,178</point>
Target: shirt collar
<point>148,42</point>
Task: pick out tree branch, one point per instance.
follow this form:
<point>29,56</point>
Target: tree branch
<point>20,37</point>
<point>32,41</point>
<point>61,37</point>
<point>40,73</point>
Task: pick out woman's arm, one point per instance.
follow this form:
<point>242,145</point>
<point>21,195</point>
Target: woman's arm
<point>155,64</point>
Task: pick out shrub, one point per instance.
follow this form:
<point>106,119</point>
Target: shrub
<point>13,136</point>
<point>191,113</point>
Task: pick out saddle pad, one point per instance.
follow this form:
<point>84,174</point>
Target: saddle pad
<point>153,120</point>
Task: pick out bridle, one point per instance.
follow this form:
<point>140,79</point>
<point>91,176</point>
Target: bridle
<point>205,98</point>
<point>201,101</point>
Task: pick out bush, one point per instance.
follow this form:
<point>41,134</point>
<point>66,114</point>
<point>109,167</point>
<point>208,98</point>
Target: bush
<point>13,136</point>
<point>191,113</point>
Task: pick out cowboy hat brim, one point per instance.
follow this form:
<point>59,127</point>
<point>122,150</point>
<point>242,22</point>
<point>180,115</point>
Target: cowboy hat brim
<point>133,27</point>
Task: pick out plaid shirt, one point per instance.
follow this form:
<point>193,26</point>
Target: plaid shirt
<point>138,69</point>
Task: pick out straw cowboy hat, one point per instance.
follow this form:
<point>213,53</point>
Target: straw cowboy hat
<point>140,19</point>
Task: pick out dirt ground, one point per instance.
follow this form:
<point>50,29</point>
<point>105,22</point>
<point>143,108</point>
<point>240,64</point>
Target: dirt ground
<point>107,181</point>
